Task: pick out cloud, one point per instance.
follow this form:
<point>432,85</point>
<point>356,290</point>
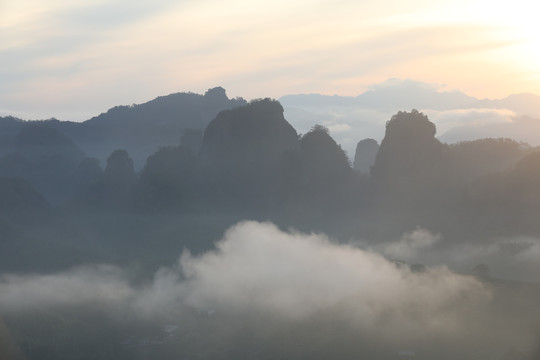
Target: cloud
<point>99,284</point>
<point>410,245</point>
<point>515,258</point>
<point>258,269</point>
<point>255,266</point>
<point>495,124</point>
<point>394,82</point>
<point>290,288</point>
<point>450,120</point>
<point>339,128</point>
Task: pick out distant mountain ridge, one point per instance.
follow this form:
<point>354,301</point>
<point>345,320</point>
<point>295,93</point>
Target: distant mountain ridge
<point>140,129</point>
<point>457,115</point>
<point>393,97</point>
<point>409,94</point>
<point>525,104</point>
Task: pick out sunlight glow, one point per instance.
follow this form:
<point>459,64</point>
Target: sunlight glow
<point>253,49</point>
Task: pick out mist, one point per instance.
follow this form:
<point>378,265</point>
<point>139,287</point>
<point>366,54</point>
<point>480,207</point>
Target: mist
<point>260,283</point>
<point>100,284</point>
<point>511,258</point>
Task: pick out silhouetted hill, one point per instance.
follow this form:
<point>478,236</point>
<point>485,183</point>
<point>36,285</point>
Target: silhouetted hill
<point>167,181</point>
<point>351,118</point>
<point>318,185</point>
<point>21,206</point>
<point>323,157</point>
<point>113,188</point>
<point>506,203</point>
<point>39,140</point>
<point>364,157</point>
<point>251,163</point>
<point>259,127</point>
<point>143,129</point>
<point>242,147</point>
<point>469,160</point>
<point>458,117</point>
<point>9,127</point>
<point>409,166</point>
<point>140,129</point>
<point>45,157</point>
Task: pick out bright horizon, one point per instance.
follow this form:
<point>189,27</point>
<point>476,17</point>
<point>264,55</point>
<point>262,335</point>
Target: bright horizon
<point>73,60</point>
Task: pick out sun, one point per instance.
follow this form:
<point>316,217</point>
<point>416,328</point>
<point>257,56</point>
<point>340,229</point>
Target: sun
<point>521,29</point>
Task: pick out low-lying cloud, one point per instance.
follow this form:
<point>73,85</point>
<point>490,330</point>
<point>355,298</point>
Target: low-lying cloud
<point>259,271</point>
<point>471,117</point>
<point>256,267</point>
<point>411,244</point>
<point>471,124</point>
<point>515,258</point>
<point>100,284</point>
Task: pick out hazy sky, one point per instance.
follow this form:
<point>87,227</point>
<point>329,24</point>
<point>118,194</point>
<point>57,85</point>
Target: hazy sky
<point>76,58</point>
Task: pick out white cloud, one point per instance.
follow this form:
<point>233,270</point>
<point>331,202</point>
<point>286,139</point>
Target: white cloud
<point>410,245</point>
<point>472,118</point>
<point>512,258</point>
<point>258,268</point>
<point>339,128</point>
<point>101,284</point>
<point>269,281</point>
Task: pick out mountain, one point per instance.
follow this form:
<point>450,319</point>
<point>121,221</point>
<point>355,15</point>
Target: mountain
<point>392,95</point>
<point>365,154</point>
<point>457,116</point>
<point>242,149</point>
<point>142,129</point>
<point>45,157</point>
<point>523,128</point>
<point>38,140</point>
<point>408,166</point>
<point>139,129</point>
<point>521,104</point>
<point>395,95</point>
<point>260,127</point>
<point>21,206</point>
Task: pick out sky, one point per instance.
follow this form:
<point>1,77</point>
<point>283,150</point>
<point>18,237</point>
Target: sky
<point>73,59</point>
